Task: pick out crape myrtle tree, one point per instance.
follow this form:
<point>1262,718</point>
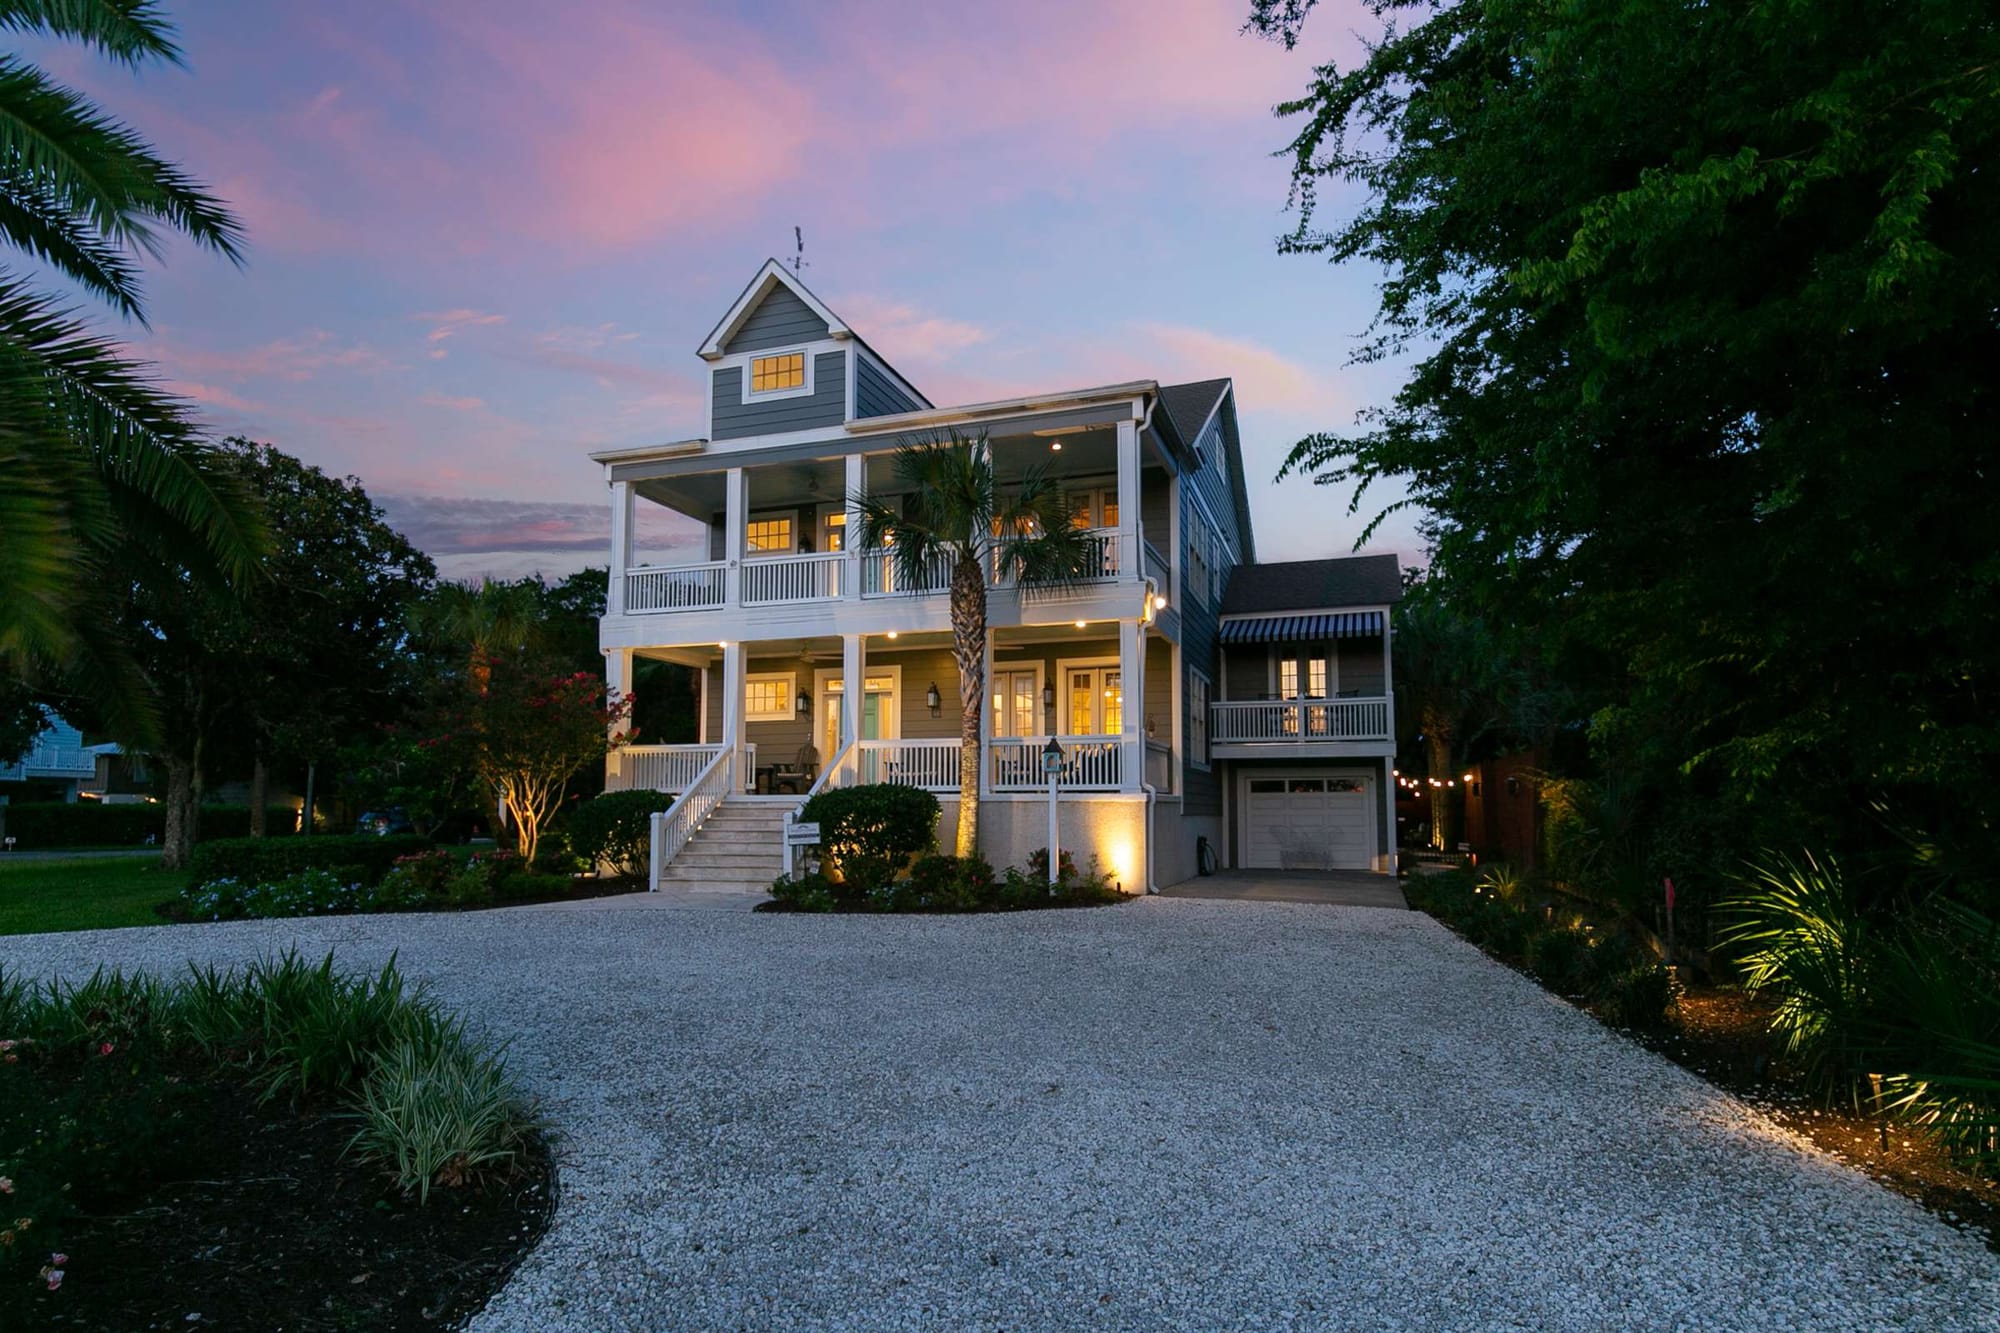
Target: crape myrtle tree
<point>1701,301</point>
<point>954,513</point>
<point>104,479</point>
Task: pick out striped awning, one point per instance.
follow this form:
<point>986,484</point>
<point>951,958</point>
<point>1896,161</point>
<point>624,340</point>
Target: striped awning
<point>1301,629</point>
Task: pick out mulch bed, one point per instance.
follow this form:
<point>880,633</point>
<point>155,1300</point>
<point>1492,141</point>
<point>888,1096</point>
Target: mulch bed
<point>261,1222</point>
<point>1724,1035</point>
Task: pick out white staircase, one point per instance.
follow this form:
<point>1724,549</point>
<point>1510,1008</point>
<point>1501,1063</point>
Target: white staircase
<point>739,848</point>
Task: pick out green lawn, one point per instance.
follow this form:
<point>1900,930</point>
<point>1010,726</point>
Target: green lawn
<point>84,893</point>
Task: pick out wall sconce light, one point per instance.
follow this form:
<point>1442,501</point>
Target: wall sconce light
<point>1159,601</point>
<point>1048,695</point>
<point>805,702</point>
<point>932,699</point>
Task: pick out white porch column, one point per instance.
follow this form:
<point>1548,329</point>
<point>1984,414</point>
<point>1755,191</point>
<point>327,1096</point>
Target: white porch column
<point>736,513</point>
<point>621,546</point>
<point>1132,722</point>
<point>1388,675</point>
<point>618,681</point>
<point>853,687</point>
<point>1130,567</point>
<point>850,540</point>
<point>734,664</point>
<point>986,717</point>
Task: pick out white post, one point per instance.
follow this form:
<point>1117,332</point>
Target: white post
<point>621,546</point>
<point>1055,837</point>
<point>735,517</point>
<point>1131,722</point>
<point>1130,567</point>
<point>853,687</point>
<point>733,671</point>
<point>653,866</point>
<point>850,539</point>
<point>986,716</point>
<point>618,683</point>
<point>1389,814</point>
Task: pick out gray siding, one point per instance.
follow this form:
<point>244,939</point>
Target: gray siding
<point>1361,666</point>
<point>735,419</point>
<point>1246,671</point>
<point>780,319</point>
<point>1200,616</point>
<point>876,395</point>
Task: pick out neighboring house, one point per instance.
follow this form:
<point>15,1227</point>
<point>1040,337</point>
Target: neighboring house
<point>1198,696</point>
<point>57,763</point>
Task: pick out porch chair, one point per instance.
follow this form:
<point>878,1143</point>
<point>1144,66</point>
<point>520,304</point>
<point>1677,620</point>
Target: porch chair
<point>798,775</point>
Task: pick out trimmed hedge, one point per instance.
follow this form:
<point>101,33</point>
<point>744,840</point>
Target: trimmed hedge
<point>263,860</point>
<point>38,824</point>
<point>870,833</point>
<point>616,828</point>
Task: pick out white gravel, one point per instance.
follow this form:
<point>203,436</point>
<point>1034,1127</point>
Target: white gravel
<point>1165,1114</point>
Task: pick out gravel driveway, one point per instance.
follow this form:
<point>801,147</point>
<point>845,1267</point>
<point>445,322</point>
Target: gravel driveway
<point>1164,1114</point>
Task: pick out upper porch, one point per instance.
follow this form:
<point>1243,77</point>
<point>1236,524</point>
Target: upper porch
<point>747,539</point>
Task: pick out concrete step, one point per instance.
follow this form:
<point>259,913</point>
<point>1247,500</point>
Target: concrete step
<point>758,883</point>
<point>728,864</point>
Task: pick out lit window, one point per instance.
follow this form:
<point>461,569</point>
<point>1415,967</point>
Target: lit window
<point>773,533</point>
<point>836,531</point>
<point>1316,678</point>
<point>770,698</point>
<point>787,370</point>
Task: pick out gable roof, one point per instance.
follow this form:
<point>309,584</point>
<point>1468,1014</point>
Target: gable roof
<point>1308,585</point>
<point>1189,408</point>
<point>773,274</point>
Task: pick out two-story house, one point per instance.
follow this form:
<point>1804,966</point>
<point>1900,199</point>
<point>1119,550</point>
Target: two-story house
<point>1212,711</point>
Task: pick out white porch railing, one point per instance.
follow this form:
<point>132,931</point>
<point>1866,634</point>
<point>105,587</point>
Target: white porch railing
<point>1300,721</point>
<point>673,826</point>
<point>814,577</point>
<point>675,587</point>
<point>1090,763</point>
<point>932,765</point>
<point>662,767</point>
<point>881,578</point>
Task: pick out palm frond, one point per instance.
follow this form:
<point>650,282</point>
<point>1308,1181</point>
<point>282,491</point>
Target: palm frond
<point>128,31</point>
<point>55,144</point>
<point>34,224</point>
<point>141,438</point>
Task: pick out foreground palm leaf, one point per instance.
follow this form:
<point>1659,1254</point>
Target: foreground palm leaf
<point>104,479</point>
<point>953,520</point>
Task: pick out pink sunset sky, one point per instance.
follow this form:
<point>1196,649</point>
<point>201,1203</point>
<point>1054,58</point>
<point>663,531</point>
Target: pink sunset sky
<point>486,236</point>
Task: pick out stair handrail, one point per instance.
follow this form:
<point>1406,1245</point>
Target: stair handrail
<point>848,753</point>
<point>673,826</point>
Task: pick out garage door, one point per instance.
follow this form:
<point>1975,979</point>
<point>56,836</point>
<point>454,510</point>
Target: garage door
<point>1308,822</point>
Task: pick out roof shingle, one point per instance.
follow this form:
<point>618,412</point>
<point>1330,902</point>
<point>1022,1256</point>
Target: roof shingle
<point>1312,585</point>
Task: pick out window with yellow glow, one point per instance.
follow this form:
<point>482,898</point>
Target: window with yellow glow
<point>787,370</point>
<point>769,698</point>
<point>836,531</point>
<point>772,533</point>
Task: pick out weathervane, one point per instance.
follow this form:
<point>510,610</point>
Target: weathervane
<point>799,259</point>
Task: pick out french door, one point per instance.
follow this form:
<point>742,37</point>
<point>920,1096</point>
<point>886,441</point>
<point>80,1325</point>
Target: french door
<point>1093,700</point>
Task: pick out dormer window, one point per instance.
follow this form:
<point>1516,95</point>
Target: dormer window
<point>777,373</point>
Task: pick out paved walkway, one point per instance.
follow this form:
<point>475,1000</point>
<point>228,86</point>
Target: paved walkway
<point>1162,1114</point>
<point>1328,888</point>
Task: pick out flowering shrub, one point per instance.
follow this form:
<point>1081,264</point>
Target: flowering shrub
<point>423,881</point>
<point>308,893</point>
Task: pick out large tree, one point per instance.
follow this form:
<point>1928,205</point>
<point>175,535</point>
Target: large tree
<point>102,476</point>
<point>949,513</point>
<point>1702,304</point>
<point>314,652</point>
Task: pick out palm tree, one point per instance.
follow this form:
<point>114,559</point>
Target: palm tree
<point>487,622</point>
<point>951,513</point>
<point>103,478</point>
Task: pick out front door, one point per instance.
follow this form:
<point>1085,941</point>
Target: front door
<point>878,720</point>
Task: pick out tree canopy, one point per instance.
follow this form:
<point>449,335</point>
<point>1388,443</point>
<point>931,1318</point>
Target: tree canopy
<point>1702,305</point>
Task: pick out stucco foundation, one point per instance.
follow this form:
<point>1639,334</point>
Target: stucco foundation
<point>1109,826</point>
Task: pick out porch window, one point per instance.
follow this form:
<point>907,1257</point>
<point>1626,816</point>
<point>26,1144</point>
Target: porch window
<point>835,536</point>
<point>770,534</point>
<point>1096,699</point>
<point>1016,702</point>
<point>768,374</point>
<point>771,697</point>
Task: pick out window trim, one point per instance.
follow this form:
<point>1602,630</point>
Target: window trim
<point>804,390</point>
<point>1198,702</point>
<point>790,695</point>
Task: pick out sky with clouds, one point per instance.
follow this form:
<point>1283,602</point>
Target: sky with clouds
<point>486,236</point>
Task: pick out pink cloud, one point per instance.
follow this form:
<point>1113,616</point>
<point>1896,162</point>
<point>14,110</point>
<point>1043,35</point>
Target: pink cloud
<point>210,395</point>
<point>904,333</point>
<point>1264,378</point>
<point>456,404</point>
<point>301,357</point>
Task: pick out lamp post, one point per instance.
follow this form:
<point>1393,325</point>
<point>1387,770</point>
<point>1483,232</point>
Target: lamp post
<point>1052,758</point>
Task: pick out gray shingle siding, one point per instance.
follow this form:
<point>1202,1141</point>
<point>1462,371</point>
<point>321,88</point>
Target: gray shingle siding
<point>876,395</point>
<point>1200,616</point>
<point>780,319</point>
<point>825,406</point>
